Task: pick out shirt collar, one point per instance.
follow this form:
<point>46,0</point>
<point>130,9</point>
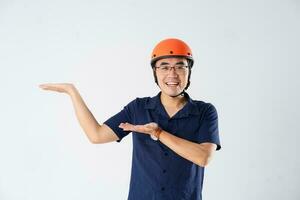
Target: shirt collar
<point>190,108</point>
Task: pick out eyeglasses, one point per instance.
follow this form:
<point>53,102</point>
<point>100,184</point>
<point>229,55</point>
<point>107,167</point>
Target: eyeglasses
<point>179,68</point>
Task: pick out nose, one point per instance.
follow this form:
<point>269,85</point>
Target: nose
<point>173,72</point>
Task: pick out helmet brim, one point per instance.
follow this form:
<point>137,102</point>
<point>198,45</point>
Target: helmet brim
<point>172,56</point>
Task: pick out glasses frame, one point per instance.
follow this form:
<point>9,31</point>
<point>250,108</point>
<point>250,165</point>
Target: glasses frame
<point>170,67</point>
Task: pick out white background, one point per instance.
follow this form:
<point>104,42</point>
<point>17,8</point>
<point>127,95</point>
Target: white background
<point>246,65</point>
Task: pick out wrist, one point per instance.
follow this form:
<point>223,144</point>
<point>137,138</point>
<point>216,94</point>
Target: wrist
<point>72,91</point>
<point>157,132</point>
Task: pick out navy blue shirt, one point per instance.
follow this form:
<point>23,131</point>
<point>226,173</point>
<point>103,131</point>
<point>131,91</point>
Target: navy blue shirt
<point>157,172</point>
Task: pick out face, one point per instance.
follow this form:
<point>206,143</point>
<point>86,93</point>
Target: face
<point>172,81</point>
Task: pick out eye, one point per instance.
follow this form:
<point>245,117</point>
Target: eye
<point>180,67</point>
<point>164,68</point>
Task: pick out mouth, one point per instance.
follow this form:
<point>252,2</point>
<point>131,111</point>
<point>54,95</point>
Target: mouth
<point>172,84</point>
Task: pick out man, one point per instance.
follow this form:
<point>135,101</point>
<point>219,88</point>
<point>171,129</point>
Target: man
<point>174,137</point>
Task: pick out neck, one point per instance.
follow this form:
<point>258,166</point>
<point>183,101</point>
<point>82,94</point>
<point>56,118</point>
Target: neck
<point>174,102</point>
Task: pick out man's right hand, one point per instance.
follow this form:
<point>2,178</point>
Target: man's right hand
<point>58,87</point>
<point>95,132</point>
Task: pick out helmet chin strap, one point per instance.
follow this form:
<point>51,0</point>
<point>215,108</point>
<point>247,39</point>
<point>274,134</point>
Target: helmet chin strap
<point>181,93</point>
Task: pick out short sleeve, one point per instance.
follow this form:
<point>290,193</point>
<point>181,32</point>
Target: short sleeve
<point>125,115</point>
<point>209,130</point>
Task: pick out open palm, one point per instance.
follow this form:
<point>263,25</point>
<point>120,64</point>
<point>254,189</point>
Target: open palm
<point>149,128</point>
<point>58,87</point>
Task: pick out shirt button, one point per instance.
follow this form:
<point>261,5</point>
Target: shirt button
<point>164,171</point>
<point>166,153</point>
<point>162,188</point>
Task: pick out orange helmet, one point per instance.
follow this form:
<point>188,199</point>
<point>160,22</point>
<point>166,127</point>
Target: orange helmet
<point>171,47</point>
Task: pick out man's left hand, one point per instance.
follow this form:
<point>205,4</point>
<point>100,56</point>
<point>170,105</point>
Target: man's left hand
<point>149,128</point>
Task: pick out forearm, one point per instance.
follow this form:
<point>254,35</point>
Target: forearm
<point>86,119</point>
<point>199,154</point>
<point>191,151</point>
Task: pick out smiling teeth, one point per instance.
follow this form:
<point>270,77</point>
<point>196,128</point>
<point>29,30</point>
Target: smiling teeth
<point>172,83</point>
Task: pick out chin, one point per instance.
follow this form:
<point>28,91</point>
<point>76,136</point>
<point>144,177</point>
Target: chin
<point>170,92</point>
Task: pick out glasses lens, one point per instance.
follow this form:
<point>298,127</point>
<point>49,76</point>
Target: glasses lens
<point>178,68</point>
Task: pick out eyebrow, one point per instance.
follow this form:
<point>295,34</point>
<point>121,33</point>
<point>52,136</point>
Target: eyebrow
<point>165,63</point>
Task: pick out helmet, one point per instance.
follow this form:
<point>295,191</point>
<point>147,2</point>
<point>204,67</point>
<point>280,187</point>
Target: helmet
<point>172,47</point>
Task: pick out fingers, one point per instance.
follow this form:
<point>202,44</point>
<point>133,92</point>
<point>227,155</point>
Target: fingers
<point>137,128</point>
<point>48,86</point>
<point>43,86</point>
<point>59,87</point>
<point>130,127</point>
<point>127,126</point>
